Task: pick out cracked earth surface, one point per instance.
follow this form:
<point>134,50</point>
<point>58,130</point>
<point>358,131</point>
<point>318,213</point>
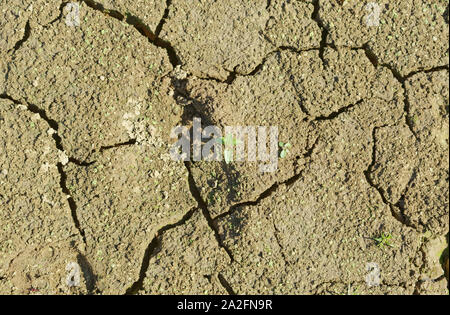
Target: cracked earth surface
<point>86,175</point>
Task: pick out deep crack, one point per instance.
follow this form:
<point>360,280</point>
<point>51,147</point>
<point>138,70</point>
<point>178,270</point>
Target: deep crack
<point>25,37</point>
<point>225,284</point>
<point>80,163</point>
<point>369,54</point>
<point>89,276</point>
<point>163,19</point>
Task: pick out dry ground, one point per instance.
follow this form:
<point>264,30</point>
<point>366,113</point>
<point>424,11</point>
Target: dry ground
<point>86,176</point>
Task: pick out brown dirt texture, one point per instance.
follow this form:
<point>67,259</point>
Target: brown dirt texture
<point>91,201</point>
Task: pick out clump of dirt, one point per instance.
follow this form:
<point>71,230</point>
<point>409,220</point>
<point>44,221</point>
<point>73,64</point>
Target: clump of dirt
<point>186,260</point>
<point>77,76</point>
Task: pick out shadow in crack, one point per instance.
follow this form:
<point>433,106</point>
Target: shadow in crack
<point>88,273</point>
<point>445,15</point>
<point>194,108</point>
<point>234,223</point>
<point>230,176</point>
<point>444,260</point>
<point>225,284</point>
<point>26,35</point>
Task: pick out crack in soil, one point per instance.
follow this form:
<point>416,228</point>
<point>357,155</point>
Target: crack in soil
<point>70,200</point>
<point>156,243</point>
<point>42,114</point>
<point>100,150</point>
<point>61,14</point>
<point>226,285</point>
<point>373,58</point>
<point>202,205</point>
<point>323,42</point>
<point>340,111</point>
<point>80,163</point>
<point>164,17</point>
<point>141,27</point>
<point>154,39</point>
<point>396,212</point>
<point>268,192</point>
<point>25,37</point>
<point>62,175</point>
<point>399,215</point>
<point>89,275</point>
<point>428,70</point>
<point>118,145</point>
<point>178,86</point>
<point>152,250</point>
<point>233,74</point>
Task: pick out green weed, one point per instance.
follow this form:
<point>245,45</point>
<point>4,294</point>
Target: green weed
<point>384,240</point>
<point>284,149</point>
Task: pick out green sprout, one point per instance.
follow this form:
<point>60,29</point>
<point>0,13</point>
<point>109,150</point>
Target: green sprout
<point>284,149</point>
<point>384,240</point>
<point>229,141</point>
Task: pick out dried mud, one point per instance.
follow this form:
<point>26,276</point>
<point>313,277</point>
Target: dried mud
<point>86,177</point>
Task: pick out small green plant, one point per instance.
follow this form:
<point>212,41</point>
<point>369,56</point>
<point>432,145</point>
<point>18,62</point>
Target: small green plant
<point>384,240</point>
<point>284,149</point>
<point>229,141</point>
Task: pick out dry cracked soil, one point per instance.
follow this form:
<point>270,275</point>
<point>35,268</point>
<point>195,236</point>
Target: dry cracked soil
<point>91,201</point>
